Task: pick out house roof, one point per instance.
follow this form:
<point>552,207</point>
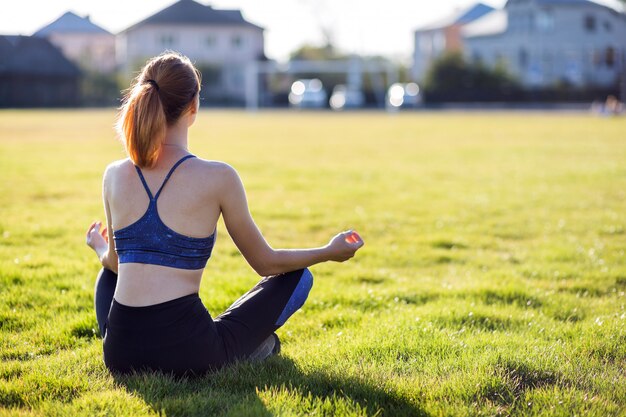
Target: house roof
<point>70,23</point>
<point>190,12</point>
<point>607,4</point>
<point>30,55</point>
<point>460,17</point>
<point>496,23</point>
<point>492,24</point>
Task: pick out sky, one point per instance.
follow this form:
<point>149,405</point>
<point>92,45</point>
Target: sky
<point>368,27</point>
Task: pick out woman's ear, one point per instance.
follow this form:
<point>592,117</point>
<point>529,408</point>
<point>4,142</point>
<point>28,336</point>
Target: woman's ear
<point>195,104</point>
<point>193,110</point>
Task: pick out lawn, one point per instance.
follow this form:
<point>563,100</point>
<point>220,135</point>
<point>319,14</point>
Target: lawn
<point>492,281</point>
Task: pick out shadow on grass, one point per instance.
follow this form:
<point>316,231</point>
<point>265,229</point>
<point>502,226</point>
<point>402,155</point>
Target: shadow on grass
<point>244,389</point>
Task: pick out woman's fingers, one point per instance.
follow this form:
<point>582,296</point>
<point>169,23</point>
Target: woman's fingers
<point>90,227</point>
<point>94,228</point>
<point>104,234</point>
<point>353,239</point>
<point>345,245</point>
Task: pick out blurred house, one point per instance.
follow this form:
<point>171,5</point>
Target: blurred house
<point>220,42</point>
<point>34,73</point>
<point>547,42</point>
<point>542,42</point>
<point>82,41</point>
<point>432,40</point>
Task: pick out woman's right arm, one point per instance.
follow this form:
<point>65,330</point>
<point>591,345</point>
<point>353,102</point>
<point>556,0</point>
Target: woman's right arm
<point>264,259</point>
<point>101,241</point>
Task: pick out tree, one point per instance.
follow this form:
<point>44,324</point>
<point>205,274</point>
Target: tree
<point>98,89</point>
<point>452,78</point>
<point>309,52</point>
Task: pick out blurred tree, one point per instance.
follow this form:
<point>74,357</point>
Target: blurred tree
<point>452,78</point>
<point>98,89</point>
<point>309,52</point>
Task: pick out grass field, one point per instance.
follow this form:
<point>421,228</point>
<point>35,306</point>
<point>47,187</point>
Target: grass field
<point>492,281</point>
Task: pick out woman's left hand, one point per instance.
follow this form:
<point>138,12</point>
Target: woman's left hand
<point>98,239</point>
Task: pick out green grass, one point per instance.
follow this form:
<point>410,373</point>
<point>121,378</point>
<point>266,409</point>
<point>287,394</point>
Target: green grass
<point>492,281</point>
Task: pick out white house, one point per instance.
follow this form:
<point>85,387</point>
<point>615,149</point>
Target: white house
<point>81,41</point>
<point>544,42</point>
<point>221,42</point>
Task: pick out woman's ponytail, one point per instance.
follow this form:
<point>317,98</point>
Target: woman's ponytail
<point>159,95</point>
<point>143,124</point>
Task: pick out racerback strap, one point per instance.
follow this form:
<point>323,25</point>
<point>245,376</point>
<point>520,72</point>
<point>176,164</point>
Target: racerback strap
<point>167,177</point>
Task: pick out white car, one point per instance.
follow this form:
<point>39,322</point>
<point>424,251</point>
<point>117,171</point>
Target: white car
<point>308,94</point>
<point>402,95</point>
<point>344,97</point>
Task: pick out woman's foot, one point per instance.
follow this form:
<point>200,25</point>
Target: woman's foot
<point>276,349</point>
<point>269,347</point>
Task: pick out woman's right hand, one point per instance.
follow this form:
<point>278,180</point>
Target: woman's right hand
<point>97,239</point>
<point>343,246</point>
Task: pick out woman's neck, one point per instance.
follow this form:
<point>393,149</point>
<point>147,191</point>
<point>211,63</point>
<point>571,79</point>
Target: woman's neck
<point>176,137</point>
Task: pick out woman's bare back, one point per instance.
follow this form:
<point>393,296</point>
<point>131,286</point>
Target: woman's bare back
<point>187,204</point>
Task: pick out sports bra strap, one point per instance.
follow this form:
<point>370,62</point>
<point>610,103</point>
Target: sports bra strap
<point>169,174</point>
<point>143,181</point>
<point>167,177</point>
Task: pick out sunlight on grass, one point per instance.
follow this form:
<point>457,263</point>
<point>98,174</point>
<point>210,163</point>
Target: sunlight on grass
<point>492,280</point>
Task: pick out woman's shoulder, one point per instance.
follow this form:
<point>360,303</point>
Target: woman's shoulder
<point>120,163</point>
<point>122,169</point>
<point>119,167</point>
<point>211,167</point>
<point>118,173</point>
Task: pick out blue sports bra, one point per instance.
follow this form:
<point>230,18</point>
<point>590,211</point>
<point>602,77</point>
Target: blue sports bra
<point>150,241</point>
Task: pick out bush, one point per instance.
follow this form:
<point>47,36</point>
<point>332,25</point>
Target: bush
<point>452,78</point>
<point>99,89</point>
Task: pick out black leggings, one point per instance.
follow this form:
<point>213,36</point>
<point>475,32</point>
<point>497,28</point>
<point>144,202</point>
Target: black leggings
<point>179,336</point>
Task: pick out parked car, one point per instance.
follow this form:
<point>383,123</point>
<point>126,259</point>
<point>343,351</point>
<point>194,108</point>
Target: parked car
<point>344,97</point>
<point>308,94</point>
<point>402,95</point>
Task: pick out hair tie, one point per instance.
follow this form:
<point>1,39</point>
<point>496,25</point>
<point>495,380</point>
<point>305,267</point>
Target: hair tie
<point>154,83</point>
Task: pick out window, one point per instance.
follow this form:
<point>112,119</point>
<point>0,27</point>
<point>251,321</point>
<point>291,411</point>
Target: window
<point>210,41</point>
<point>590,23</point>
<point>607,26</point>
<point>545,20</point>
<point>236,41</point>
<point>523,58</point>
<point>609,57</point>
<point>167,40</point>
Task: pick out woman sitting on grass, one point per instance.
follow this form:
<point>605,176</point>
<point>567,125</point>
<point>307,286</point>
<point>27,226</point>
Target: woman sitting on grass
<point>162,205</point>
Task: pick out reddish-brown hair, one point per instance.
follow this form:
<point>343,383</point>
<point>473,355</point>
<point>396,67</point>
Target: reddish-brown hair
<point>160,94</point>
